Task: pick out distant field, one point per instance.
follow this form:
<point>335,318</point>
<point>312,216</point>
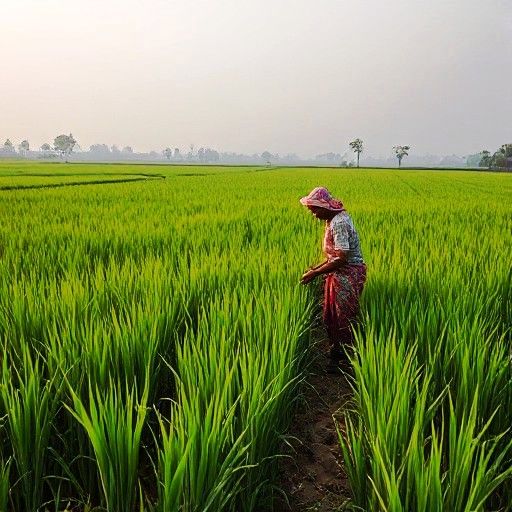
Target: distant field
<point>154,335</point>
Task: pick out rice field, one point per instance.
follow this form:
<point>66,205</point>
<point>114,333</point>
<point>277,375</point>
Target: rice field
<point>155,337</point>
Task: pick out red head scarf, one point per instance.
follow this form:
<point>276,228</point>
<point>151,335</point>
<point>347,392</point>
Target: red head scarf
<point>321,197</point>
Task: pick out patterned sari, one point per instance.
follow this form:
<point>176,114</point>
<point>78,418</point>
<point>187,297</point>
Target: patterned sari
<point>342,290</point>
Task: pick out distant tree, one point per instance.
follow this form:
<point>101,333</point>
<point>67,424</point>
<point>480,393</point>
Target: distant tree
<point>177,154</point>
<point>115,150</point>
<point>473,160</point>
<point>167,152</point>
<point>357,147</point>
<point>206,155</point>
<point>211,155</point>
<point>128,149</point>
<point>501,157</point>
<point>400,152</point>
<point>64,145</point>
<point>499,160</point>
<point>8,146</point>
<point>47,151</point>
<point>100,148</point>
<point>267,156</point>
<point>24,147</point>
<point>485,159</point>
<point>507,150</point>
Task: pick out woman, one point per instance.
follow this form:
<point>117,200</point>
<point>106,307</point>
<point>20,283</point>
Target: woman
<point>344,269</point>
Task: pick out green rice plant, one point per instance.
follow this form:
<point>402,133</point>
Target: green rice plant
<point>200,462</point>
<point>226,436</point>
<point>114,421</point>
<point>460,473</point>
<point>5,484</point>
<point>456,342</point>
<point>30,402</point>
<point>476,464</point>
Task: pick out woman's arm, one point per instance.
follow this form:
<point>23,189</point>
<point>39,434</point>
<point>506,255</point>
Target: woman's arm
<point>325,267</point>
<point>318,266</point>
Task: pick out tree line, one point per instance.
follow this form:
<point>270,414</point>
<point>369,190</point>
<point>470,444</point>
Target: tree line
<point>63,145</point>
<point>500,159</point>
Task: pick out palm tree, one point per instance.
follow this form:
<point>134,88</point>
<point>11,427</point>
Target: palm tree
<point>357,147</point>
<point>400,152</point>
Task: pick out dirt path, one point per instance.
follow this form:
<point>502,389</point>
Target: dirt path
<point>313,478</point>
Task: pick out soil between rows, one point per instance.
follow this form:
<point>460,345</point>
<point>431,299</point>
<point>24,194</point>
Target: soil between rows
<point>312,474</point>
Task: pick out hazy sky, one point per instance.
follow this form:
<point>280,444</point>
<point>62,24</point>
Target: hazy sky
<point>302,76</point>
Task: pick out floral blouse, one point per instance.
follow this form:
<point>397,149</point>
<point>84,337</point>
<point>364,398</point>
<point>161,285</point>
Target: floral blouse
<point>340,234</point>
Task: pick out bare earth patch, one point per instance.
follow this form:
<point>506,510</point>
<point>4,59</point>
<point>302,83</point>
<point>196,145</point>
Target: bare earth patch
<point>312,476</point>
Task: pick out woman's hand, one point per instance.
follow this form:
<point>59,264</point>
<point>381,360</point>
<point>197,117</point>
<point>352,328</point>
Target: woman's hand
<point>316,267</point>
<point>308,276</point>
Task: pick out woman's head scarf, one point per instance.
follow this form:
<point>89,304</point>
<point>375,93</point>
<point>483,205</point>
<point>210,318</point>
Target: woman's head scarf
<point>321,197</point>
